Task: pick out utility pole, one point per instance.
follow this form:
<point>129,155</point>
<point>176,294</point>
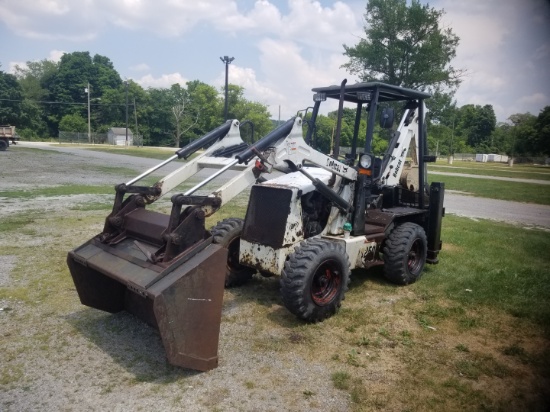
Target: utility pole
<point>227,61</point>
<point>89,127</point>
<point>126,83</point>
<point>135,118</point>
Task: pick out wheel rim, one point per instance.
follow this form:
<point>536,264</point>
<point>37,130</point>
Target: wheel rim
<point>326,283</point>
<point>414,262</point>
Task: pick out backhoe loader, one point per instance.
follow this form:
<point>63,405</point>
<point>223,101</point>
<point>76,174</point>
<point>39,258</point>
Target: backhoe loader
<point>321,217</point>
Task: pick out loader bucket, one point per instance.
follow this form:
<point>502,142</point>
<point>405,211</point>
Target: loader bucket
<point>181,298</point>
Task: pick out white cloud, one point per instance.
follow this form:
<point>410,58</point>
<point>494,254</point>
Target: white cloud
<point>254,90</point>
<point>164,81</point>
<point>505,46</point>
<point>55,55</point>
<point>51,19</point>
<point>307,21</point>
<point>293,77</point>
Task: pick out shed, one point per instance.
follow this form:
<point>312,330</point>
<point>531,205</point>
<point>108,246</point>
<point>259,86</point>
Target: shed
<point>117,136</point>
<point>480,157</point>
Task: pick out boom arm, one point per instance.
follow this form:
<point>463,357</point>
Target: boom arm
<point>399,145</point>
<point>294,150</point>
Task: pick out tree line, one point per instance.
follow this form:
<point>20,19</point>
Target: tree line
<point>45,97</point>
<point>405,44</point>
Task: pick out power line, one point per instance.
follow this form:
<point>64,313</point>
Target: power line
<point>66,103</point>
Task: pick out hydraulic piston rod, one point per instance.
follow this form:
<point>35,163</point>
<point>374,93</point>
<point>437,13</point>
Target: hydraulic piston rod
<point>209,178</point>
<point>151,170</point>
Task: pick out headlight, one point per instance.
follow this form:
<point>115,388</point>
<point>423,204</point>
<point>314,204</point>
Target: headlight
<point>365,161</point>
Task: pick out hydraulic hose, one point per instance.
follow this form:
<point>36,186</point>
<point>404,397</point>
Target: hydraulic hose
<point>205,140</point>
<point>268,140</point>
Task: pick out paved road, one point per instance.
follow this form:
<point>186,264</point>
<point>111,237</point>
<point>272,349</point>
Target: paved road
<point>455,203</point>
<point>501,210</point>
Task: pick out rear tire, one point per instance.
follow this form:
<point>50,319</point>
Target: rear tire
<point>315,279</point>
<point>3,145</point>
<point>405,252</point>
<point>227,234</point>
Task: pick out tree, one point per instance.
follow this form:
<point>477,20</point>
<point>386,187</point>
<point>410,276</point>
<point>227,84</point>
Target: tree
<point>476,124</point>
<point>104,75</point>
<point>502,139</point>
<point>322,138</point>
<point>524,134</point>
<point>73,123</point>
<point>542,126</point>
<point>205,99</point>
<point>184,119</point>
<point>405,45</point>
<point>10,106</point>
<point>34,78</point>
<point>243,109</point>
<point>159,117</point>
<point>67,87</point>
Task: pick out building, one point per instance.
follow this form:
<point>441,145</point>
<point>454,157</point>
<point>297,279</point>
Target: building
<point>117,136</point>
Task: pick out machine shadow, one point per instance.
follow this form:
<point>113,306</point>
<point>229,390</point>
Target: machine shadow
<point>132,344</point>
<point>266,292</point>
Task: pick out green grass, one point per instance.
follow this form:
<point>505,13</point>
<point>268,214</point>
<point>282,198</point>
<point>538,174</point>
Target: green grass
<point>16,222</point>
<point>497,265</point>
<point>497,189</point>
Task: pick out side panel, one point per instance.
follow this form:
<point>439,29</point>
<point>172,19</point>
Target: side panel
<point>188,309</point>
<point>270,215</point>
<point>264,258</point>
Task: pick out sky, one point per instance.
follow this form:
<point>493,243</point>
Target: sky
<point>281,48</point>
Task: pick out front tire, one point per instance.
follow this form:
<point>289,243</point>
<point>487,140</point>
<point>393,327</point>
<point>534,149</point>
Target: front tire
<point>405,252</point>
<point>315,279</point>
<point>227,233</point>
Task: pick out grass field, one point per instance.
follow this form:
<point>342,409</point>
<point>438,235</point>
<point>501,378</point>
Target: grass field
<point>495,169</point>
<point>473,334</point>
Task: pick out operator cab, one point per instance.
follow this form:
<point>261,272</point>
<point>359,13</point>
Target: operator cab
<point>393,186</point>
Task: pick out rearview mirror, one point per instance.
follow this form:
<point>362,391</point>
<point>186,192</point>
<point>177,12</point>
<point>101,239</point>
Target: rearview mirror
<point>386,118</point>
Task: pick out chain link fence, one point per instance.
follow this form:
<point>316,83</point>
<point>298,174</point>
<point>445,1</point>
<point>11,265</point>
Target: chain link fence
<point>92,138</point>
<point>82,138</point>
